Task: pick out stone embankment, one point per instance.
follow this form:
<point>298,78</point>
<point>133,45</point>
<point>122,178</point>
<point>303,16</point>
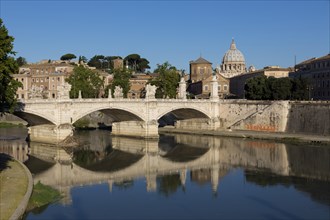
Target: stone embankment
<point>16,186</point>
<point>278,136</point>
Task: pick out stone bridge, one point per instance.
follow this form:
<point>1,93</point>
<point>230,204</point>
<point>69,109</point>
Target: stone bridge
<point>50,120</point>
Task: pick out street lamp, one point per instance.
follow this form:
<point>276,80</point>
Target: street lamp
<point>310,89</point>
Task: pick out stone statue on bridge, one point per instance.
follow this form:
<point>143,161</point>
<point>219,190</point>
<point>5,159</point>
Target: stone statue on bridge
<point>63,91</point>
<point>36,92</point>
<point>150,91</point>
<point>118,92</point>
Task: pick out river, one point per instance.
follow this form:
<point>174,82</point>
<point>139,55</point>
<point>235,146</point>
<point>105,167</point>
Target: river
<point>177,177</point>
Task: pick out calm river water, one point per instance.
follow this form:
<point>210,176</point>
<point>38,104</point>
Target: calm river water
<point>177,177</point>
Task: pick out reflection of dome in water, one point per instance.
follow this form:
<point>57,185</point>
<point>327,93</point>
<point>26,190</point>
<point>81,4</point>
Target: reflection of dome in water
<point>233,62</point>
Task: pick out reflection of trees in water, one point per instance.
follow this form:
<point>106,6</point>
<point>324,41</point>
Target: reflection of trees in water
<point>318,190</point>
<point>169,184</point>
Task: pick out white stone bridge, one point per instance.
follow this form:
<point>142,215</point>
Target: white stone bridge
<point>50,120</point>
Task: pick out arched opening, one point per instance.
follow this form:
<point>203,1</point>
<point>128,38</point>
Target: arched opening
<point>103,118</point>
<point>33,119</point>
<point>170,118</point>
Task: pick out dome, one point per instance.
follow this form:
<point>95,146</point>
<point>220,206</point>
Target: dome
<point>233,55</point>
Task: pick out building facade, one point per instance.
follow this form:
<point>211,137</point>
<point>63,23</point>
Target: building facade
<point>44,77</point>
<point>200,69</point>
<point>41,80</point>
<point>317,73</point>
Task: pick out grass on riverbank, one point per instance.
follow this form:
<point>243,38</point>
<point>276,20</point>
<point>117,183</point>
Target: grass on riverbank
<point>10,125</point>
<point>42,195</point>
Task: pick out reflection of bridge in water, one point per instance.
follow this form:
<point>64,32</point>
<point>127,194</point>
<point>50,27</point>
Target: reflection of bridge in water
<point>135,158</point>
<point>118,160</point>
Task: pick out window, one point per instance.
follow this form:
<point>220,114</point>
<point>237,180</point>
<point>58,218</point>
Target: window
<point>225,87</point>
<point>22,96</point>
<point>58,79</point>
<point>206,87</point>
<point>53,95</point>
<point>219,87</point>
<point>22,79</point>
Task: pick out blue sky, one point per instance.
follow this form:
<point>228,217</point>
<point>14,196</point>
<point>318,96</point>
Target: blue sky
<point>267,32</point>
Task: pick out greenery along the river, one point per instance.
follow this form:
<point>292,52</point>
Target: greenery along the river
<point>42,195</point>
<point>10,125</point>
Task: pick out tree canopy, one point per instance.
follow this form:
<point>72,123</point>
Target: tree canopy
<point>121,78</point>
<point>263,88</point>
<point>85,80</point>
<point>167,80</point>
<point>68,56</point>
<point>136,63</point>
<point>8,66</point>
<point>21,61</point>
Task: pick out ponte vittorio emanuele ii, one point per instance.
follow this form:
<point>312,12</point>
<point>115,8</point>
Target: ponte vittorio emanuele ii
<point>51,120</point>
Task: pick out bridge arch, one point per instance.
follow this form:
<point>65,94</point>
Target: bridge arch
<point>116,113</point>
<point>184,113</point>
<point>35,118</point>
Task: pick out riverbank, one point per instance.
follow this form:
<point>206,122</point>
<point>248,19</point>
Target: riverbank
<point>15,187</point>
<point>278,136</point>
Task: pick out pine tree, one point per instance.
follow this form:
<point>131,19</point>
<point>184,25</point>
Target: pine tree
<point>8,66</point>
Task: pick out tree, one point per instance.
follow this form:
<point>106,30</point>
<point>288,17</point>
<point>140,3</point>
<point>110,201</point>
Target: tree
<point>82,59</point>
<point>257,88</point>
<point>136,63</point>
<point>8,66</point>
<point>68,56</point>
<point>85,80</point>
<point>263,88</point>
<point>96,61</point>
<point>121,78</point>
<point>280,88</point>
<point>167,80</point>
<point>301,90</point>
<point>21,61</point>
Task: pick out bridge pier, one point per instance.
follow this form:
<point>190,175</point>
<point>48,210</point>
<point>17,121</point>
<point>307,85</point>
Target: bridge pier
<point>136,129</point>
<point>51,134</point>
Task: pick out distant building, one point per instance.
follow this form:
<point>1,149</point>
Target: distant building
<point>46,76</point>
<point>138,83</point>
<point>237,83</point>
<point>317,71</point>
<point>118,63</point>
<point>233,62</point>
<point>200,69</point>
<point>201,74</point>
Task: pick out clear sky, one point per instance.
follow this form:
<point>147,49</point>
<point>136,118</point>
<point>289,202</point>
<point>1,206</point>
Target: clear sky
<point>267,32</point>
